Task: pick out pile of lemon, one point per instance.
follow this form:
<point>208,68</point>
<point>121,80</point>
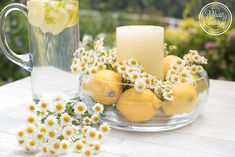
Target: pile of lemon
<point>106,87</point>
<point>53,16</point>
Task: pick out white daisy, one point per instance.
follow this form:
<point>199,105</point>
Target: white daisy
<point>78,146</point>
<point>31,119</point>
<point>193,69</point>
<point>20,135</point>
<point>140,85</point>
<point>51,122</point>
<point>91,135</point>
<point>180,63</point>
<point>98,108</point>
<point>95,118</point>
<point>100,66</point>
<point>86,120</point>
<point>80,108</point>
<point>59,106</point>
<point>39,136</point>
<point>97,147</point>
<point>32,108</point>
<point>196,58</point>
<point>84,129</point>
<point>175,78</point>
<point>43,105</point>
<point>31,144</point>
<point>42,128</point>
<point>100,136</point>
<point>29,130</point>
<point>87,152</point>
<point>65,119</point>
<point>68,132</point>
<point>134,76</point>
<point>45,149</point>
<point>51,134</point>
<point>55,145</point>
<point>65,146</point>
<point>133,62</point>
<point>122,69</point>
<point>21,142</point>
<point>104,128</point>
<point>199,68</point>
<point>193,52</point>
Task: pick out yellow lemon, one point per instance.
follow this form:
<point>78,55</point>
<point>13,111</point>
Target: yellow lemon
<point>105,87</point>
<point>138,107</point>
<point>185,100</point>
<point>168,61</point>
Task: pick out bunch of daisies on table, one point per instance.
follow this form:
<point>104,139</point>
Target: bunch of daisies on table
<point>61,126</point>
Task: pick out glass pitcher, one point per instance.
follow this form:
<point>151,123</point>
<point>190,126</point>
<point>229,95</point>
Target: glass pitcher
<point>53,38</point>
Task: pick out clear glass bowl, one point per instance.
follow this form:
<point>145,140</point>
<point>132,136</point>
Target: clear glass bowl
<point>121,113</point>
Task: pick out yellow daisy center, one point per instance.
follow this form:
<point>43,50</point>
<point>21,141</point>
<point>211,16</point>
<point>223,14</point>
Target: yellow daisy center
<point>66,118</point>
<point>43,129</point>
<point>29,130</point>
<point>50,122</point>
<point>32,142</point>
<point>68,132</point>
<point>31,108</point>
<point>105,128</point>
<point>43,105</point>
<point>30,119</point>
<point>59,107</point>
<point>79,146</point>
<point>44,149</point>
<point>58,99</point>
<point>92,134</point>
<point>52,134</point>
<point>20,133</point>
<point>39,136</point>
<point>64,146</point>
<point>100,136</point>
<point>88,152</point>
<point>20,142</point>
<point>96,119</point>
<point>97,108</point>
<point>97,147</point>
<point>80,108</point>
<point>179,62</point>
<point>56,145</point>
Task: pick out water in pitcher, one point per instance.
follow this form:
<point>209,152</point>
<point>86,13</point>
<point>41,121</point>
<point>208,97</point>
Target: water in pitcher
<point>54,37</point>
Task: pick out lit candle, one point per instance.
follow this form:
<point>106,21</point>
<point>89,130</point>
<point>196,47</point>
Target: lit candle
<point>144,43</point>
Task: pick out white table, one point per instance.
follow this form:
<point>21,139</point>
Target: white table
<point>211,135</point>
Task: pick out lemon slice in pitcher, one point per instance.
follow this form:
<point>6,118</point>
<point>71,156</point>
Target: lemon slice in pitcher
<point>56,18</point>
<point>36,14</point>
<point>72,9</point>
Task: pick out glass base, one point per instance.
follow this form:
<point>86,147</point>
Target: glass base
<point>160,126</point>
<point>160,122</point>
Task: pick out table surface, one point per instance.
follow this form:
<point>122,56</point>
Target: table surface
<point>211,135</point>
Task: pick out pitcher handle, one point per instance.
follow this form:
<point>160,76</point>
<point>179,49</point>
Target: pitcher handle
<point>24,60</point>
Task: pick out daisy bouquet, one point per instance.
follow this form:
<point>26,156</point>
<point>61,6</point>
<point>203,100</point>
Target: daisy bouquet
<point>62,126</point>
<point>123,84</point>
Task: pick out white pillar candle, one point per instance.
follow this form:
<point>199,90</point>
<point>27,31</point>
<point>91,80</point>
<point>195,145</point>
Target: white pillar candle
<point>144,43</point>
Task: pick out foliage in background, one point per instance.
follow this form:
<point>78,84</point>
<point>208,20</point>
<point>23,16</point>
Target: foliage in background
<point>107,15</point>
<point>17,35</point>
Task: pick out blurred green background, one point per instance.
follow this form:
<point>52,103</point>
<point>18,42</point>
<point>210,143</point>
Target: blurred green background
<point>179,17</point>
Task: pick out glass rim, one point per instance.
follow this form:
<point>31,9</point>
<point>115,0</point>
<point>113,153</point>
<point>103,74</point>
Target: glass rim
<point>202,75</point>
